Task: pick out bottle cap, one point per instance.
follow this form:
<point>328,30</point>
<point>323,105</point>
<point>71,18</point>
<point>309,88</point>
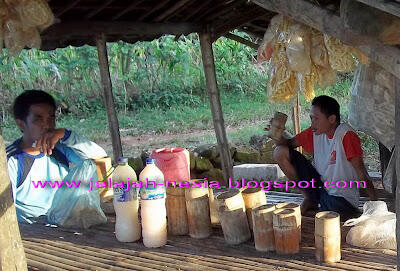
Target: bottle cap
<point>122,160</point>
<point>150,161</point>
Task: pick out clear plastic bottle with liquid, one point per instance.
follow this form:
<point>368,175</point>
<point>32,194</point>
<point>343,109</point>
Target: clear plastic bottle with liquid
<point>126,202</point>
<point>152,200</point>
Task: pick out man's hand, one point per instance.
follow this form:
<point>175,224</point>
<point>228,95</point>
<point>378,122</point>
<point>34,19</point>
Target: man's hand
<point>362,173</point>
<point>47,142</point>
<point>286,139</point>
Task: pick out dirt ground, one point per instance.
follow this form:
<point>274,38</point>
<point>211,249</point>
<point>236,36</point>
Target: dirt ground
<point>134,145</point>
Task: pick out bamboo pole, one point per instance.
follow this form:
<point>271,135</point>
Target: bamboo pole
<point>296,118</point>
<point>108,96</point>
<point>215,103</point>
<point>12,255</point>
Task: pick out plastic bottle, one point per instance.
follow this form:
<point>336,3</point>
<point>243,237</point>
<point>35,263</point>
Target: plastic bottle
<point>126,202</point>
<point>152,200</point>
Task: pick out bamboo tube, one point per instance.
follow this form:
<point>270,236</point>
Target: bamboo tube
<point>176,211</point>
<point>198,211</point>
<point>327,237</point>
<point>233,217</point>
<point>286,231</point>
<point>296,208</point>
<point>104,169</point>
<point>213,208</point>
<point>253,197</point>
<point>263,229</point>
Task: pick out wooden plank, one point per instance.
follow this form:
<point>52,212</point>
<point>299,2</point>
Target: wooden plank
<point>153,9</point>
<point>241,40</point>
<point>112,118</point>
<point>224,10</point>
<point>327,22</point>
<point>384,157</point>
<point>93,28</point>
<point>215,103</point>
<point>127,9</point>
<point>71,5</point>
<point>99,9</point>
<point>171,10</point>
<point>397,150</point>
<point>12,255</point>
<point>236,22</point>
<point>391,7</point>
<point>182,9</point>
<point>190,16</point>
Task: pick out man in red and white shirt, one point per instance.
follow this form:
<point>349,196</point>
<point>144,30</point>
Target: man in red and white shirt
<point>338,160</point>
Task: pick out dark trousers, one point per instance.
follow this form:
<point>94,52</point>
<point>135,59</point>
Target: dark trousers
<point>306,171</point>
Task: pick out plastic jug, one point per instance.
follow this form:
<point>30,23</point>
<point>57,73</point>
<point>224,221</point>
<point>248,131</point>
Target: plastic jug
<point>174,163</point>
<point>152,200</point>
<point>126,202</point>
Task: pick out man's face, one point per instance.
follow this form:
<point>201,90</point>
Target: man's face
<point>320,123</point>
<point>41,119</point>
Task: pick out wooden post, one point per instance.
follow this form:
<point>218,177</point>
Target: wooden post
<point>397,149</point>
<point>215,102</point>
<point>384,157</point>
<point>108,97</point>
<point>12,255</point>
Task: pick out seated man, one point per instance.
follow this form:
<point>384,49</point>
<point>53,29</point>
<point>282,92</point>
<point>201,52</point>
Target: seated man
<point>338,161</point>
<point>43,153</point>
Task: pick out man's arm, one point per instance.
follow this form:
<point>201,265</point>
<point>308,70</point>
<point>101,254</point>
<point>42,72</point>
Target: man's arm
<point>290,142</point>
<point>362,173</point>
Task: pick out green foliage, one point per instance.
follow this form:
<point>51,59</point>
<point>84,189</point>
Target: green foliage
<point>158,86</point>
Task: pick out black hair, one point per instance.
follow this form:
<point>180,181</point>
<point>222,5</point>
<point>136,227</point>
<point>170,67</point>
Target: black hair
<point>328,106</point>
<point>30,97</point>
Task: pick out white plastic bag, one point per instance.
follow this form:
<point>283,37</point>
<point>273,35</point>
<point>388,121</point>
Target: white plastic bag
<point>371,107</point>
<point>77,207</point>
<point>375,228</point>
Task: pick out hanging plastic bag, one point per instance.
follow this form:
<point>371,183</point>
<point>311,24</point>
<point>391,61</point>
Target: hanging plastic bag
<point>319,54</point>
<point>35,13</point>
<point>32,38</point>
<point>13,34</point>
<point>375,228</point>
<point>340,57</point>
<point>78,207</point>
<point>264,51</point>
<point>298,49</point>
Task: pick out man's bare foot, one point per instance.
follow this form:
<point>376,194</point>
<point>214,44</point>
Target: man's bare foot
<point>307,205</point>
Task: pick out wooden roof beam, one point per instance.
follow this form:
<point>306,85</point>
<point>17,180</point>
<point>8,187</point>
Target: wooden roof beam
<point>241,40</point>
<point>71,4</point>
<point>200,8</point>
<point>210,10</point>
<point>99,9</point>
<point>129,8</point>
<point>225,10</point>
<point>325,21</point>
<point>178,10</point>
<point>391,7</point>
<point>237,22</point>
<point>92,28</point>
<point>171,10</point>
<point>263,29</point>
<point>159,6</point>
